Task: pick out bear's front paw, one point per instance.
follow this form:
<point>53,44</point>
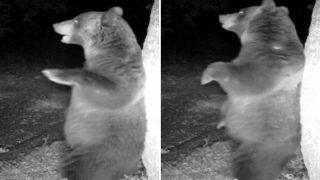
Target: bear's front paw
<point>215,72</point>
<point>221,124</point>
<point>56,75</point>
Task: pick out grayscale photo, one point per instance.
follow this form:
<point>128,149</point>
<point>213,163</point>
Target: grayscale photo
<point>239,81</point>
<point>74,78</point>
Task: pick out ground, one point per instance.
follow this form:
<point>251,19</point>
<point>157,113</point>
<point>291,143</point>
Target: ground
<point>192,147</point>
<point>32,115</point>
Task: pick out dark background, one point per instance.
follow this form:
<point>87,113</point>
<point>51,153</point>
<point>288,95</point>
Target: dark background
<point>26,26</point>
<point>189,26</point>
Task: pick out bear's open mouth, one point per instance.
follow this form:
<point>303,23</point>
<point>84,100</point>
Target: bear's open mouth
<point>227,20</point>
<point>65,29</point>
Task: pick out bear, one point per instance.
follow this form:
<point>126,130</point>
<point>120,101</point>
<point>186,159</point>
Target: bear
<point>105,122</point>
<point>261,111</point>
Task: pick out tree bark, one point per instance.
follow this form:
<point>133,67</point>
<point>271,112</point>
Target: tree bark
<point>152,64</point>
<point>310,98</point>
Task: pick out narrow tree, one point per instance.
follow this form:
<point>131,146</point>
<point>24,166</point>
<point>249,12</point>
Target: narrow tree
<point>152,63</point>
<point>310,98</point>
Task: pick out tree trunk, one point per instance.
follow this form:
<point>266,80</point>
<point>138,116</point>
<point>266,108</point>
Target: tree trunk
<point>310,98</point>
<point>152,63</point>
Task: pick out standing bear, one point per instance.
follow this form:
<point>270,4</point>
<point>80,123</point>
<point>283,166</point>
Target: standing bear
<point>261,113</point>
<point>105,121</point>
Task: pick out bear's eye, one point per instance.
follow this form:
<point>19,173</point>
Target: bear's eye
<point>76,22</point>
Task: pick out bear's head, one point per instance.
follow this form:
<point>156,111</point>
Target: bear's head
<point>96,29</point>
<point>246,21</point>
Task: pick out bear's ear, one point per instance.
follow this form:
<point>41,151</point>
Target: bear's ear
<point>268,4</point>
<point>284,9</point>
<point>116,10</point>
<point>110,17</point>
